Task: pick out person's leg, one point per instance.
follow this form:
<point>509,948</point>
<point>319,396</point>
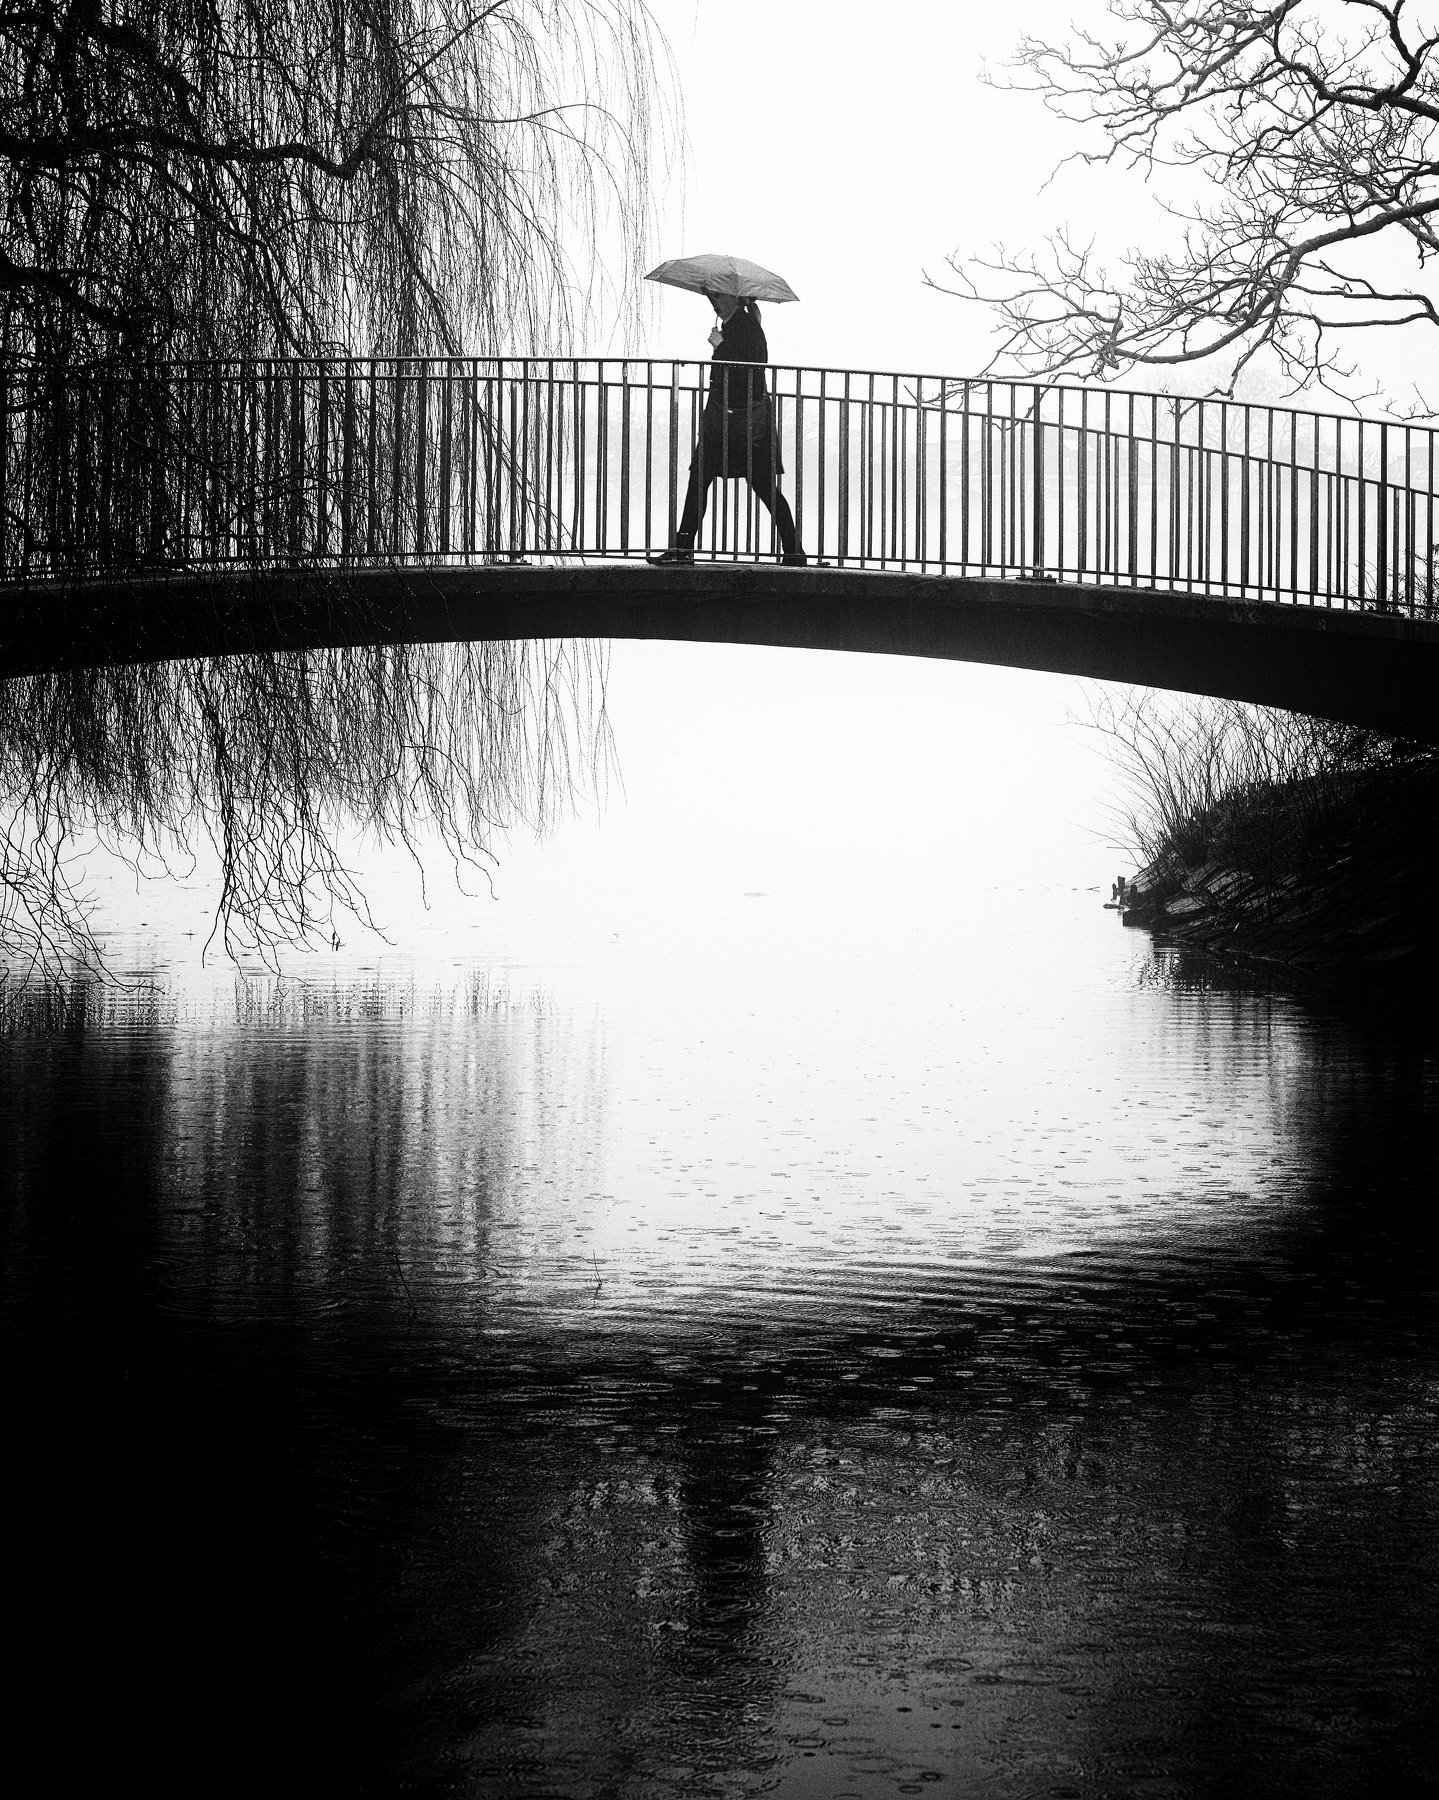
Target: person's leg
<point>766,484</point>
<point>702,472</point>
<point>696,499</point>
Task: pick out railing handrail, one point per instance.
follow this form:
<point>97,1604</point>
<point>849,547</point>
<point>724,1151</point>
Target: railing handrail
<point>10,366</point>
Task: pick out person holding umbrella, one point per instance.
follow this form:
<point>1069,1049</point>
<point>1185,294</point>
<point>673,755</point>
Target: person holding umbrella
<point>738,437</point>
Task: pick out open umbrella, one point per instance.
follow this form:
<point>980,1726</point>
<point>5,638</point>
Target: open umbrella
<point>723,275</point>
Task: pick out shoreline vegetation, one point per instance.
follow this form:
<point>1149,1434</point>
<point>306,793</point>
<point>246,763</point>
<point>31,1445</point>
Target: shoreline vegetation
<point>1278,840</point>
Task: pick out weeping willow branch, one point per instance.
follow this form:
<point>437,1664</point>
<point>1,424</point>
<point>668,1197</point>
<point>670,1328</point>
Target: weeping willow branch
<point>274,763</point>
<point>241,178</point>
<point>224,181</point>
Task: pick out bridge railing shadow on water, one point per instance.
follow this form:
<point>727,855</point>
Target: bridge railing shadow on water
<point>349,463</point>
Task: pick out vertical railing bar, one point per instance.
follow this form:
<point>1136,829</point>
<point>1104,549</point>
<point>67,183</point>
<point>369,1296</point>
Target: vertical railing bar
<point>676,372</point>
<point>900,484</point>
<point>1005,490</point>
<point>1269,530</point>
<point>581,436</point>
<point>7,406</point>
<point>874,512</point>
<point>866,476</point>
<point>1204,476</point>
<point>1381,521</point>
<point>624,459</point>
<point>1294,504</point>
<point>1108,495</point>
<point>1154,490</point>
<point>886,486</point>
<point>986,481</point>
<point>874,476</point>
<point>528,461</point>
<point>372,500</point>
<point>559,442</point>
<point>1018,482</point>
<point>1327,589</point>
<point>1176,461</point>
<point>1131,450</point>
<point>799,511</point>
<point>517,457</point>
<point>1429,597</point>
<point>347,468</point>
<point>649,452</point>
<point>964,477</point>
<point>1081,554</point>
<point>923,470</point>
<point>297,441</point>
<point>843,521</point>
<point>1244,507</point>
<point>1224,575</point>
<point>897,495</point>
<point>1409,518</point>
<point>943,474</point>
<point>472,460</point>
<point>1060,478</point>
<point>1191,514</point>
<point>422,460</point>
<point>446,421</point>
<point>726,538</point>
<point>699,400</point>
<point>602,460</point>
<point>821,447</point>
<point>1361,566</point>
<point>1337,575</point>
<point>1315,504</point>
<point>862,479</point>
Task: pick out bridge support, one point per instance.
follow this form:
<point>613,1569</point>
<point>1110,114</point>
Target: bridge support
<point>1365,668</point>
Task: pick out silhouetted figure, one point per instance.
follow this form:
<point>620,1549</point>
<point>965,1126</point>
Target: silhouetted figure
<point>737,432</point>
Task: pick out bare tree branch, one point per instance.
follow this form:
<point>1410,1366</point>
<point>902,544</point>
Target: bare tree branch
<point>1312,126</point>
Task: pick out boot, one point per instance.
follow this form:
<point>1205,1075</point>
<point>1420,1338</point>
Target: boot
<point>680,554</point>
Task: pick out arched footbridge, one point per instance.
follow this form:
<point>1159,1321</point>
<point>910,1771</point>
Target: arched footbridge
<point>1257,552</point>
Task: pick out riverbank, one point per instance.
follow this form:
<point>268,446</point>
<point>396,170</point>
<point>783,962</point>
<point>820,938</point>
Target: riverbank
<point>1325,877</point>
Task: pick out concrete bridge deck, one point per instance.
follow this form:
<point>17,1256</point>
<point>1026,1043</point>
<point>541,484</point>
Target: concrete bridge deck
<point>1367,668</point>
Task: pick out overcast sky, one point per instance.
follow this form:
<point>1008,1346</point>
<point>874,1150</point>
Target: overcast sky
<point>850,148</point>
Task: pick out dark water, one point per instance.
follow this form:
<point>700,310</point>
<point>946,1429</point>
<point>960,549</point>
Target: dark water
<point>448,1390</point>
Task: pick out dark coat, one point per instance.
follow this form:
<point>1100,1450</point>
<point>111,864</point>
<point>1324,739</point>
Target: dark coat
<point>742,341</point>
<point>739,436</point>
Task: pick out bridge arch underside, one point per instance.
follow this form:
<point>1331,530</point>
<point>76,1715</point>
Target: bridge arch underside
<point>1365,668</point>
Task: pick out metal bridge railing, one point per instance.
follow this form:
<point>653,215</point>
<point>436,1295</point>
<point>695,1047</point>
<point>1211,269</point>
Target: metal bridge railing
<point>346,463</point>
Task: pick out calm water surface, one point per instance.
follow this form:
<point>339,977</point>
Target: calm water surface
<point>721,1347</point>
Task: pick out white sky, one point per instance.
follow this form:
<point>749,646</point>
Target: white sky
<point>850,148</point>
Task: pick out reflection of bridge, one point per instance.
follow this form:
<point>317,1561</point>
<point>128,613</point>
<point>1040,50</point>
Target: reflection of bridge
<point>1262,552</point>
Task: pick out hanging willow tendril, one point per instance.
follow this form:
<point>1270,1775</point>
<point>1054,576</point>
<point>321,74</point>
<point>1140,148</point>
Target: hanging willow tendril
<point>276,762</point>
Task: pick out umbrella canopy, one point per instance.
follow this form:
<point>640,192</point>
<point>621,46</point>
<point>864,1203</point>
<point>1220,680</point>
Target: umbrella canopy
<point>723,275</point>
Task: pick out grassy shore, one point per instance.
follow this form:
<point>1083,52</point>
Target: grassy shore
<point>1272,837</point>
